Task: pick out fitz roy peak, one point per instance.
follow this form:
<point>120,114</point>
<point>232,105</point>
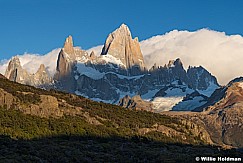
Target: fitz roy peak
<point>119,71</point>
<point>121,45</point>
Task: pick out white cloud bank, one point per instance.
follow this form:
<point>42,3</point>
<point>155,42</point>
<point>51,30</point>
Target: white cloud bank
<point>31,62</point>
<point>220,54</point>
<point>97,50</point>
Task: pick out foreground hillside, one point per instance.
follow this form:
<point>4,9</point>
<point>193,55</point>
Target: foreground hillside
<point>51,126</point>
<point>222,115</point>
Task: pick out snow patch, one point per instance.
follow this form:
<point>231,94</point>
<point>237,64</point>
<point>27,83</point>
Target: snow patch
<point>32,62</point>
<point>95,74</point>
<point>149,95</point>
<point>111,59</point>
<point>88,71</point>
<point>165,103</point>
<point>128,77</point>
<point>209,91</point>
<point>94,99</point>
<point>189,104</point>
<point>177,92</point>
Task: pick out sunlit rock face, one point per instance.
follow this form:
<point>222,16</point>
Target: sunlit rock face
<point>121,45</point>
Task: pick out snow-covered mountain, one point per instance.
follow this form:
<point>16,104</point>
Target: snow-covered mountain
<point>214,50</point>
<point>211,49</point>
<point>119,71</point>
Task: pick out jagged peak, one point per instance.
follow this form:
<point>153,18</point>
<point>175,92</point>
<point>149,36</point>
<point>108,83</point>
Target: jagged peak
<point>69,40</point>
<point>68,45</point>
<point>154,67</point>
<point>120,45</point>
<point>178,61</point>
<point>14,66</point>
<point>200,68</point>
<point>175,63</point>
<point>136,39</point>
<point>92,55</point>
<point>123,25</point>
<point>15,60</point>
<point>123,30</point>
<point>171,63</point>
<point>194,67</point>
<point>42,68</point>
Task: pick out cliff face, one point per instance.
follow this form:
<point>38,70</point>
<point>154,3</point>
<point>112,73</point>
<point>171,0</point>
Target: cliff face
<point>65,60</point>
<point>16,73</point>
<point>33,102</point>
<point>64,72</point>
<point>136,103</point>
<point>42,77</point>
<point>222,115</point>
<point>66,65</point>
<point>6,99</point>
<point>121,45</point>
<point>225,116</point>
<point>68,47</point>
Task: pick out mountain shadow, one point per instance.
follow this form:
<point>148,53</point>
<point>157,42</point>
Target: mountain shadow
<point>103,149</point>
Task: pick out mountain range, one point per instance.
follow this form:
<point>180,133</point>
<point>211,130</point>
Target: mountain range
<point>194,108</point>
<point>118,71</point>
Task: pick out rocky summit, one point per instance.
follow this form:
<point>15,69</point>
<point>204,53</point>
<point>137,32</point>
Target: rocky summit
<point>15,72</point>
<point>119,71</point>
<point>120,45</point>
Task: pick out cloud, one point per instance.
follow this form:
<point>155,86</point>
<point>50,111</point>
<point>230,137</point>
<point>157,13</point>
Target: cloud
<point>3,66</point>
<point>220,54</point>
<point>31,62</point>
<point>97,50</point>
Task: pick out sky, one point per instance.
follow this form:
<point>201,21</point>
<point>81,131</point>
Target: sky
<point>39,26</point>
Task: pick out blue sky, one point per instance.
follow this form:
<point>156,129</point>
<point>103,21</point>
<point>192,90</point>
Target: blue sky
<point>38,26</point>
